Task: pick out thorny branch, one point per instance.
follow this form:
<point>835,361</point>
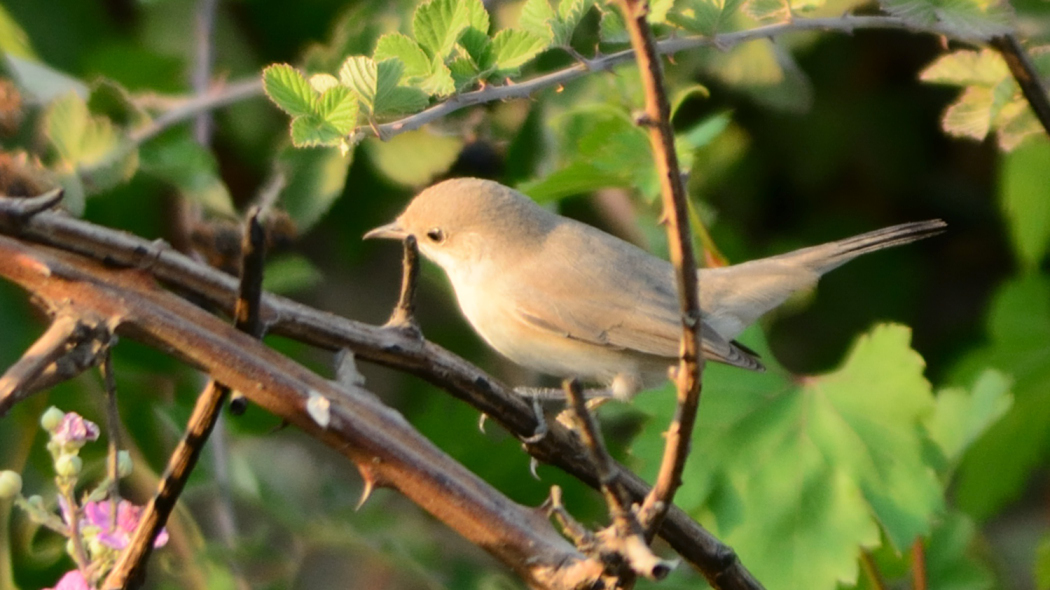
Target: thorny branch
<point>130,570</point>
<point>390,348</point>
<point>384,447</point>
<point>625,539</point>
<point>676,214</point>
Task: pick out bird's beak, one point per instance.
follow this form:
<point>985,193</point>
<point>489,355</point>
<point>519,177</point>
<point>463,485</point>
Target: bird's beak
<point>390,231</point>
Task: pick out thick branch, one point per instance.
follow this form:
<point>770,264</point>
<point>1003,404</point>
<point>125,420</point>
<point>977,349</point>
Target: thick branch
<point>676,213</point>
<point>389,348</point>
<point>386,449</point>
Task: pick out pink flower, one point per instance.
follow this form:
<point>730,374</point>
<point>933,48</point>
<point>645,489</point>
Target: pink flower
<point>73,580</point>
<point>74,429</point>
<point>98,514</point>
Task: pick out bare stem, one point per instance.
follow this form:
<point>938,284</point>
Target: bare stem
<point>16,383</point>
<point>657,118</point>
<point>109,380</point>
<point>920,581</point>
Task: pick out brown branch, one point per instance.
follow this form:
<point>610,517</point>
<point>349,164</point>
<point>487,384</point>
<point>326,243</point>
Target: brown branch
<point>404,315</point>
<point>25,377</point>
<point>1027,77</point>
<point>390,348</point>
<point>676,213</point>
<point>130,570</point>
<point>626,537</point>
<point>920,581</point>
<point>385,448</point>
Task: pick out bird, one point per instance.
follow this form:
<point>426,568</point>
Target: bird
<point>566,299</point>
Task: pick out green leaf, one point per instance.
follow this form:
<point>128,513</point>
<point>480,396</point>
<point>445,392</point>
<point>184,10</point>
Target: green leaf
<point>1024,179</point>
<point>42,81</point>
<point>312,130</point>
<point>322,82</point>
<point>182,162</point>
<point>438,24</point>
<point>707,17</point>
<point>314,179</point>
<point>289,90</point>
<point>13,40</point>
<point>417,64</point>
<point>962,416</point>
<point>512,49</point>
<point>415,158</point>
<point>967,68</point>
<point>338,107</point>
<point>439,83</point>
<point>611,28</point>
<point>820,461</point>
<point>964,19</point>
<point>536,18</point>
<point>1018,329</point>
<point>377,85</point>
<point>951,559</point>
<point>478,47</point>
<point>291,273</point>
<point>91,146</point>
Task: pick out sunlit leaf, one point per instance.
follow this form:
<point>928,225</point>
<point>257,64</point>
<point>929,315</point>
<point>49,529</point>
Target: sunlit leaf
<point>438,24</point>
<point>415,158</point>
<point>962,416</point>
<point>512,49</point>
<point>823,461</point>
<point>967,19</point>
<point>404,48</point>
<point>289,90</point>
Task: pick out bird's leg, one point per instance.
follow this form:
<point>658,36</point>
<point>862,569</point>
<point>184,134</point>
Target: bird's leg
<point>541,424</point>
<point>549,394</point>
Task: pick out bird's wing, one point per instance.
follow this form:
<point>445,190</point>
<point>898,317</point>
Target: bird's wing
<point>626,302</point>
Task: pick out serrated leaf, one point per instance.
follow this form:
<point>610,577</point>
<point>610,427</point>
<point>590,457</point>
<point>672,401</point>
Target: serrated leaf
<point>709,17</point>
<point>377,86</point>
<point>338,108</point>
<point>611,28</point>
<point>415,158</point>
<point>92,146</point>
<point>464,73</point>
<point>193,170</point>
<point>1023,186</point>
<point>512,49</point>
<point>312,130</point>
<point>961,417</point>
<point>408,51</point>
<point>972,114</point>
<point>314,179</point>
<point>967,68</point>
<point>438,24</point>
<point>570,13</point>
<point>965,19</point>
<point>439,83</point>
<point>822,461</point>
<point>322,82</point>
<point>536,16</point>
<point>289,90</point>
<point>478,47</point>
<point>1018,330</point>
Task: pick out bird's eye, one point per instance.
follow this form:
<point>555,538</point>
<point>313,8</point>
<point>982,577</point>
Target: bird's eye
<point>435,235</point>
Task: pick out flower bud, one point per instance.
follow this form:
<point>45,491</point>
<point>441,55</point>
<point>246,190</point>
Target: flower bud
<point>36,502</point>
<point>10,484</point>
<point>124,464</point>
<point>51,418</point>
<point>68,465</point>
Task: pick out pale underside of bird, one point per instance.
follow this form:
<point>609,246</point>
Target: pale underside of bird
<point>566,299</point>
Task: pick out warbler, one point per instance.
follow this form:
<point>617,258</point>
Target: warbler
<point>566,299</point>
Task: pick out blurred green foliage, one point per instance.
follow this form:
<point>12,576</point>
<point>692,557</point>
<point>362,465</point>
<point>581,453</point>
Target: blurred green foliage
<point>864,436</point>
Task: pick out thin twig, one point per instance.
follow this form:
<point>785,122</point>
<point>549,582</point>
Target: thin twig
<point>190,108</point>
<point>21,208</point>
<point>689,372</point>
<point>525,88</point>
<point>109,380</point>
<point>203,65</point>
<point>404,314</point>
<point>429,361</point>
<point>627,536</point>
<point>130,569</point>
<point>16,383</point>
<point>920,581</point>
<point>1028,78</point>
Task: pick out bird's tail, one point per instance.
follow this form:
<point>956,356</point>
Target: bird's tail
<point>828,256</point>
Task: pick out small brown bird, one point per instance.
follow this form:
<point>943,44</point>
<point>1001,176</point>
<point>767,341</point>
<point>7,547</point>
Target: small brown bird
<point>566,299</point>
